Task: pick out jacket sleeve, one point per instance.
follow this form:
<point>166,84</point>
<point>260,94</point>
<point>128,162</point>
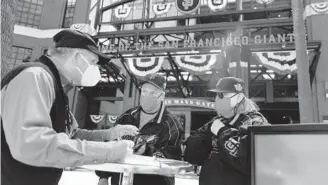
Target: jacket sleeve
<point>104,174</point>
<point>233,143</point>
<point>198,145</point>
<point>171,147</point>
<point>89,135</point>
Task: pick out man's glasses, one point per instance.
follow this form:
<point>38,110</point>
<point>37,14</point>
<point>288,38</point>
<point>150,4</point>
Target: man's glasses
<point>223,95</point>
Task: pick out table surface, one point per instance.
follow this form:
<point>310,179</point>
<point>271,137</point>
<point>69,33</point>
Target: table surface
<point>143,165</point>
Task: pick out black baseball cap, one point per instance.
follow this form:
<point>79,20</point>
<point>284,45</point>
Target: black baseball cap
<point>70,38</point>
<point>156,80</point>
<point>228,85</point>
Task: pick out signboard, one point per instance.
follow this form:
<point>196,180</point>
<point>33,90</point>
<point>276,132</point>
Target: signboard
<point>265,1</point>
<point>189,103</point>
<point>187,6</point>
<point>199,43</point>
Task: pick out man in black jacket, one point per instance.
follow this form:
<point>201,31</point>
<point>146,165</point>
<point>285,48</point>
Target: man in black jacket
<point>160,131</point>
<point>220,146</point>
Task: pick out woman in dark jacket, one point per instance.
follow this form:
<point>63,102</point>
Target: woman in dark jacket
<point>220,146</point>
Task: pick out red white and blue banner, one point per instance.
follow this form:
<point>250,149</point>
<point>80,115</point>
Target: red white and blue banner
<point>141,66</point>
<point>160,9</point>
<point>123,11</point>
<point>315,9</point>
<point>85,28</point>
<point>100,119</point>
<point>96,118</point>
<point>196,63</point>
<point>216,5</point>
<point>145,65</point>
<point>282,62</point>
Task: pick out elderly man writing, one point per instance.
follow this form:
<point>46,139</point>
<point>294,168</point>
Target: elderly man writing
<point>39,135</point>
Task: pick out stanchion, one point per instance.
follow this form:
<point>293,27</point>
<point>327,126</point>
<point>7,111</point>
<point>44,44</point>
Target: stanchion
<point>126,178</point>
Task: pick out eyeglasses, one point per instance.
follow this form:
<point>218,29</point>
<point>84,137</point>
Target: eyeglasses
<point>224,95</point>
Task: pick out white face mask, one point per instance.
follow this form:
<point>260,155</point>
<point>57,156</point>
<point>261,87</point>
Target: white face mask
<point>226,105</point>
<point>91,74</point>
<point>82,73</point>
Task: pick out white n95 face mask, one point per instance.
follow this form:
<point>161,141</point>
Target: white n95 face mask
<point>90,74</point>
<point>81,72</point>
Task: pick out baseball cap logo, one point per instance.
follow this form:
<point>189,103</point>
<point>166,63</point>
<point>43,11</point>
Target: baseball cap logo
<point>238,87</point>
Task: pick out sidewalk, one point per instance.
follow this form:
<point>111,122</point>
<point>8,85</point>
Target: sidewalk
<point>88,178</point>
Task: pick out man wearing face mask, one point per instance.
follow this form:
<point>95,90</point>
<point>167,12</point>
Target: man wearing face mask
<point>39,134</point>
<point>160,131</point>
<point>220,146</point>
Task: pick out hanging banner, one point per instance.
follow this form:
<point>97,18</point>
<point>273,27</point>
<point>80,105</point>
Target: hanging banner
<point>160,9</point>
<point>122,11</point>
<point>85,28</point>
<point>282,63</point>
<point>217,4</point>
<point>265,1</point>
<point>112,119</point>
<point>187,6</point>
<point>146,65</point>
<point>196,63</point>
<point>315,9</point>
<point>96,118</point>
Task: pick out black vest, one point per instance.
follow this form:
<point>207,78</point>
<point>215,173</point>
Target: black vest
<point>14,172</point>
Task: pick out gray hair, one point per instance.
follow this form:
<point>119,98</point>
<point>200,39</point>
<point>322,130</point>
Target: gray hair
<point>245,106</point>
<point>53,51</point>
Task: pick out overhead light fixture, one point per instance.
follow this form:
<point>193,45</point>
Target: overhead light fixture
<point>215,51</point>
<point>283,45</point>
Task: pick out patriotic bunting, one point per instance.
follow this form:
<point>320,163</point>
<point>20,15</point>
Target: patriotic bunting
<point>99,119</point>
<point>112,119</point>
<point>146,65</point>
<point>85,28</point>
<point>96,118</point>
<point>315,9</point>
<point>122,11</point>
<point>217,4</point>
<point>196,63</point>
<point>160,9</point>
<point>282,63</point>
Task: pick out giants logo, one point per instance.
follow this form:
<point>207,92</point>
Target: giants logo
<point>187,6</point>
<point>232,146</point>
